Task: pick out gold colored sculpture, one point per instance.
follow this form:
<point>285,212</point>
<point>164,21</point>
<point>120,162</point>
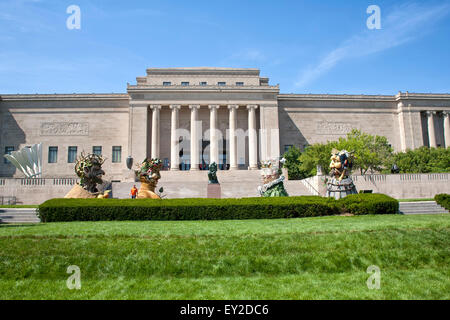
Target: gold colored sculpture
<point>340,183</point>
<point>148,174</point>
<point>89,169</point>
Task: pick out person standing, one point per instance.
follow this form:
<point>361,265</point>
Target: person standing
<point>134,192</point>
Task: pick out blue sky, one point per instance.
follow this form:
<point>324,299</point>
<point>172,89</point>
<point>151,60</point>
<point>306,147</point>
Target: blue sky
<point>305,46</point>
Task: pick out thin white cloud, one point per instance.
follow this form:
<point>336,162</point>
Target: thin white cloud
<point>402,25</point>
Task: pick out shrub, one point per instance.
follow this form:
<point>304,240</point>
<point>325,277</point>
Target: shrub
<point>422,160</point>
<point>211,209</point>
<point>443,200</point>
<point>367,203</point>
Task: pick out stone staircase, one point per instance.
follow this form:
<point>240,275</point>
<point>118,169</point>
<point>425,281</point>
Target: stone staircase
<point>421,207</point>
<point>193,184</point>
<point>18,215</point>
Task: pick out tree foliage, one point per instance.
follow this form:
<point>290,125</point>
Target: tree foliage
<point>422,160</point>
<point>372,154</point>
<point>292,163</point>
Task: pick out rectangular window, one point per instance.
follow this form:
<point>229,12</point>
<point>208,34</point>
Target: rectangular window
<point>167,83</point>
<point>220,83</point>
<point>184,83</point>
<point>72,155</point>
<point>97,150</point>
<point>116,154</point>
<point>239,84</point>
<point>8,150</point>
<point>203,83</point>
<point>52,154</point>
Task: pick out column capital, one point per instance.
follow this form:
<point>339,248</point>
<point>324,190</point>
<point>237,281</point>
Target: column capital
<point>233,106</point>
<point>446,113</point>
<point>155,106</point>
<point>430,113</point>
<point>194,106</point>
<point>252,106</point>
<point>175,106</point>
<point>213,106</point>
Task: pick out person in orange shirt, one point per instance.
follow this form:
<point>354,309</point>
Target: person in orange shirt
<point>134,192</point>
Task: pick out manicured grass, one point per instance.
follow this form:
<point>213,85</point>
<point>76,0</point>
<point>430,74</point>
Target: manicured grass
<point>415,200</point>
<point>309,258</point>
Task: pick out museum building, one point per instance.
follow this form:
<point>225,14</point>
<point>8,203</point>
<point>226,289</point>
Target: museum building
<point>190,117</point>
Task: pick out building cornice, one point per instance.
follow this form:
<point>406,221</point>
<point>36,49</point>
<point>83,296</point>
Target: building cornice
<point>425,96</point>
<point>335,97</point>
<point>187,89</point>
<point>64,97</point>
<point>203,71</point>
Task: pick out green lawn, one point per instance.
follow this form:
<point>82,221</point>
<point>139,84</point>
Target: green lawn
<point>309,258</point>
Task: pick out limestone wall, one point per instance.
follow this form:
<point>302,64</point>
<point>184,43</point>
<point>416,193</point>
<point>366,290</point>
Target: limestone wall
<point>83,121</point>
<point>234,184</point>
<point>405,186</point>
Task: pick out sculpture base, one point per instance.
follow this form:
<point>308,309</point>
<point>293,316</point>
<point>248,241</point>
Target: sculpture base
<point>77,192</point>
<point>214,191</point>
<point>340,189</point>
<point>147,191</point>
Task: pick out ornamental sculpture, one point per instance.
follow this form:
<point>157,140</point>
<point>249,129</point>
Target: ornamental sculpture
<point>27,160</point>
<point>89,169</point>
<point>273,185</point>
<point>212,174</point>
<point>148,174</point>
<point>340,183</point>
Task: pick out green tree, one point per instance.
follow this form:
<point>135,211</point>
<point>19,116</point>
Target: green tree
<point>314,155</point>
<point>372,153</point>
<point>423,160</point>
<point>293,164</point>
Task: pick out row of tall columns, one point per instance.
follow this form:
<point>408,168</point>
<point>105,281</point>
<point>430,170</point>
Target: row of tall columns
<point>431,129</point>
<point>214,139</point>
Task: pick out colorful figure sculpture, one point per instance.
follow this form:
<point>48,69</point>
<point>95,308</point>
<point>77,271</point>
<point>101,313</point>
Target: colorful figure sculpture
<point>212,174</point>
<point>148,174</point>
<point>273,185</point>
<point>340,183</point>
<point>89,169</point>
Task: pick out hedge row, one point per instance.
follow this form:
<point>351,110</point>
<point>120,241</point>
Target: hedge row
<point>212,209</point>
<point>443,200</point>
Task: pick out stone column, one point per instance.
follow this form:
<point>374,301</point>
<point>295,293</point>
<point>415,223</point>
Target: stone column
<point>431,132</point>
<point>252,138</point>
<point>174,139</point>
<point>213,142</point>
<point>233,147</point>
<point>155,130</point>
<point>195,161</point>
<point>446,115</point>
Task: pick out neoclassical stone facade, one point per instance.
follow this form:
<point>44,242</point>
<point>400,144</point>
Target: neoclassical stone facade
<point>190,117</point>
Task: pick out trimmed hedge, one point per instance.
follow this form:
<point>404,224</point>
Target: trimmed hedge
<point>443,200</point>
<point>212,209</point>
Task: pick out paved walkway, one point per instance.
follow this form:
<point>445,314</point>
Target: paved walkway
<point>18,215</point>
<point>421,207</point>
